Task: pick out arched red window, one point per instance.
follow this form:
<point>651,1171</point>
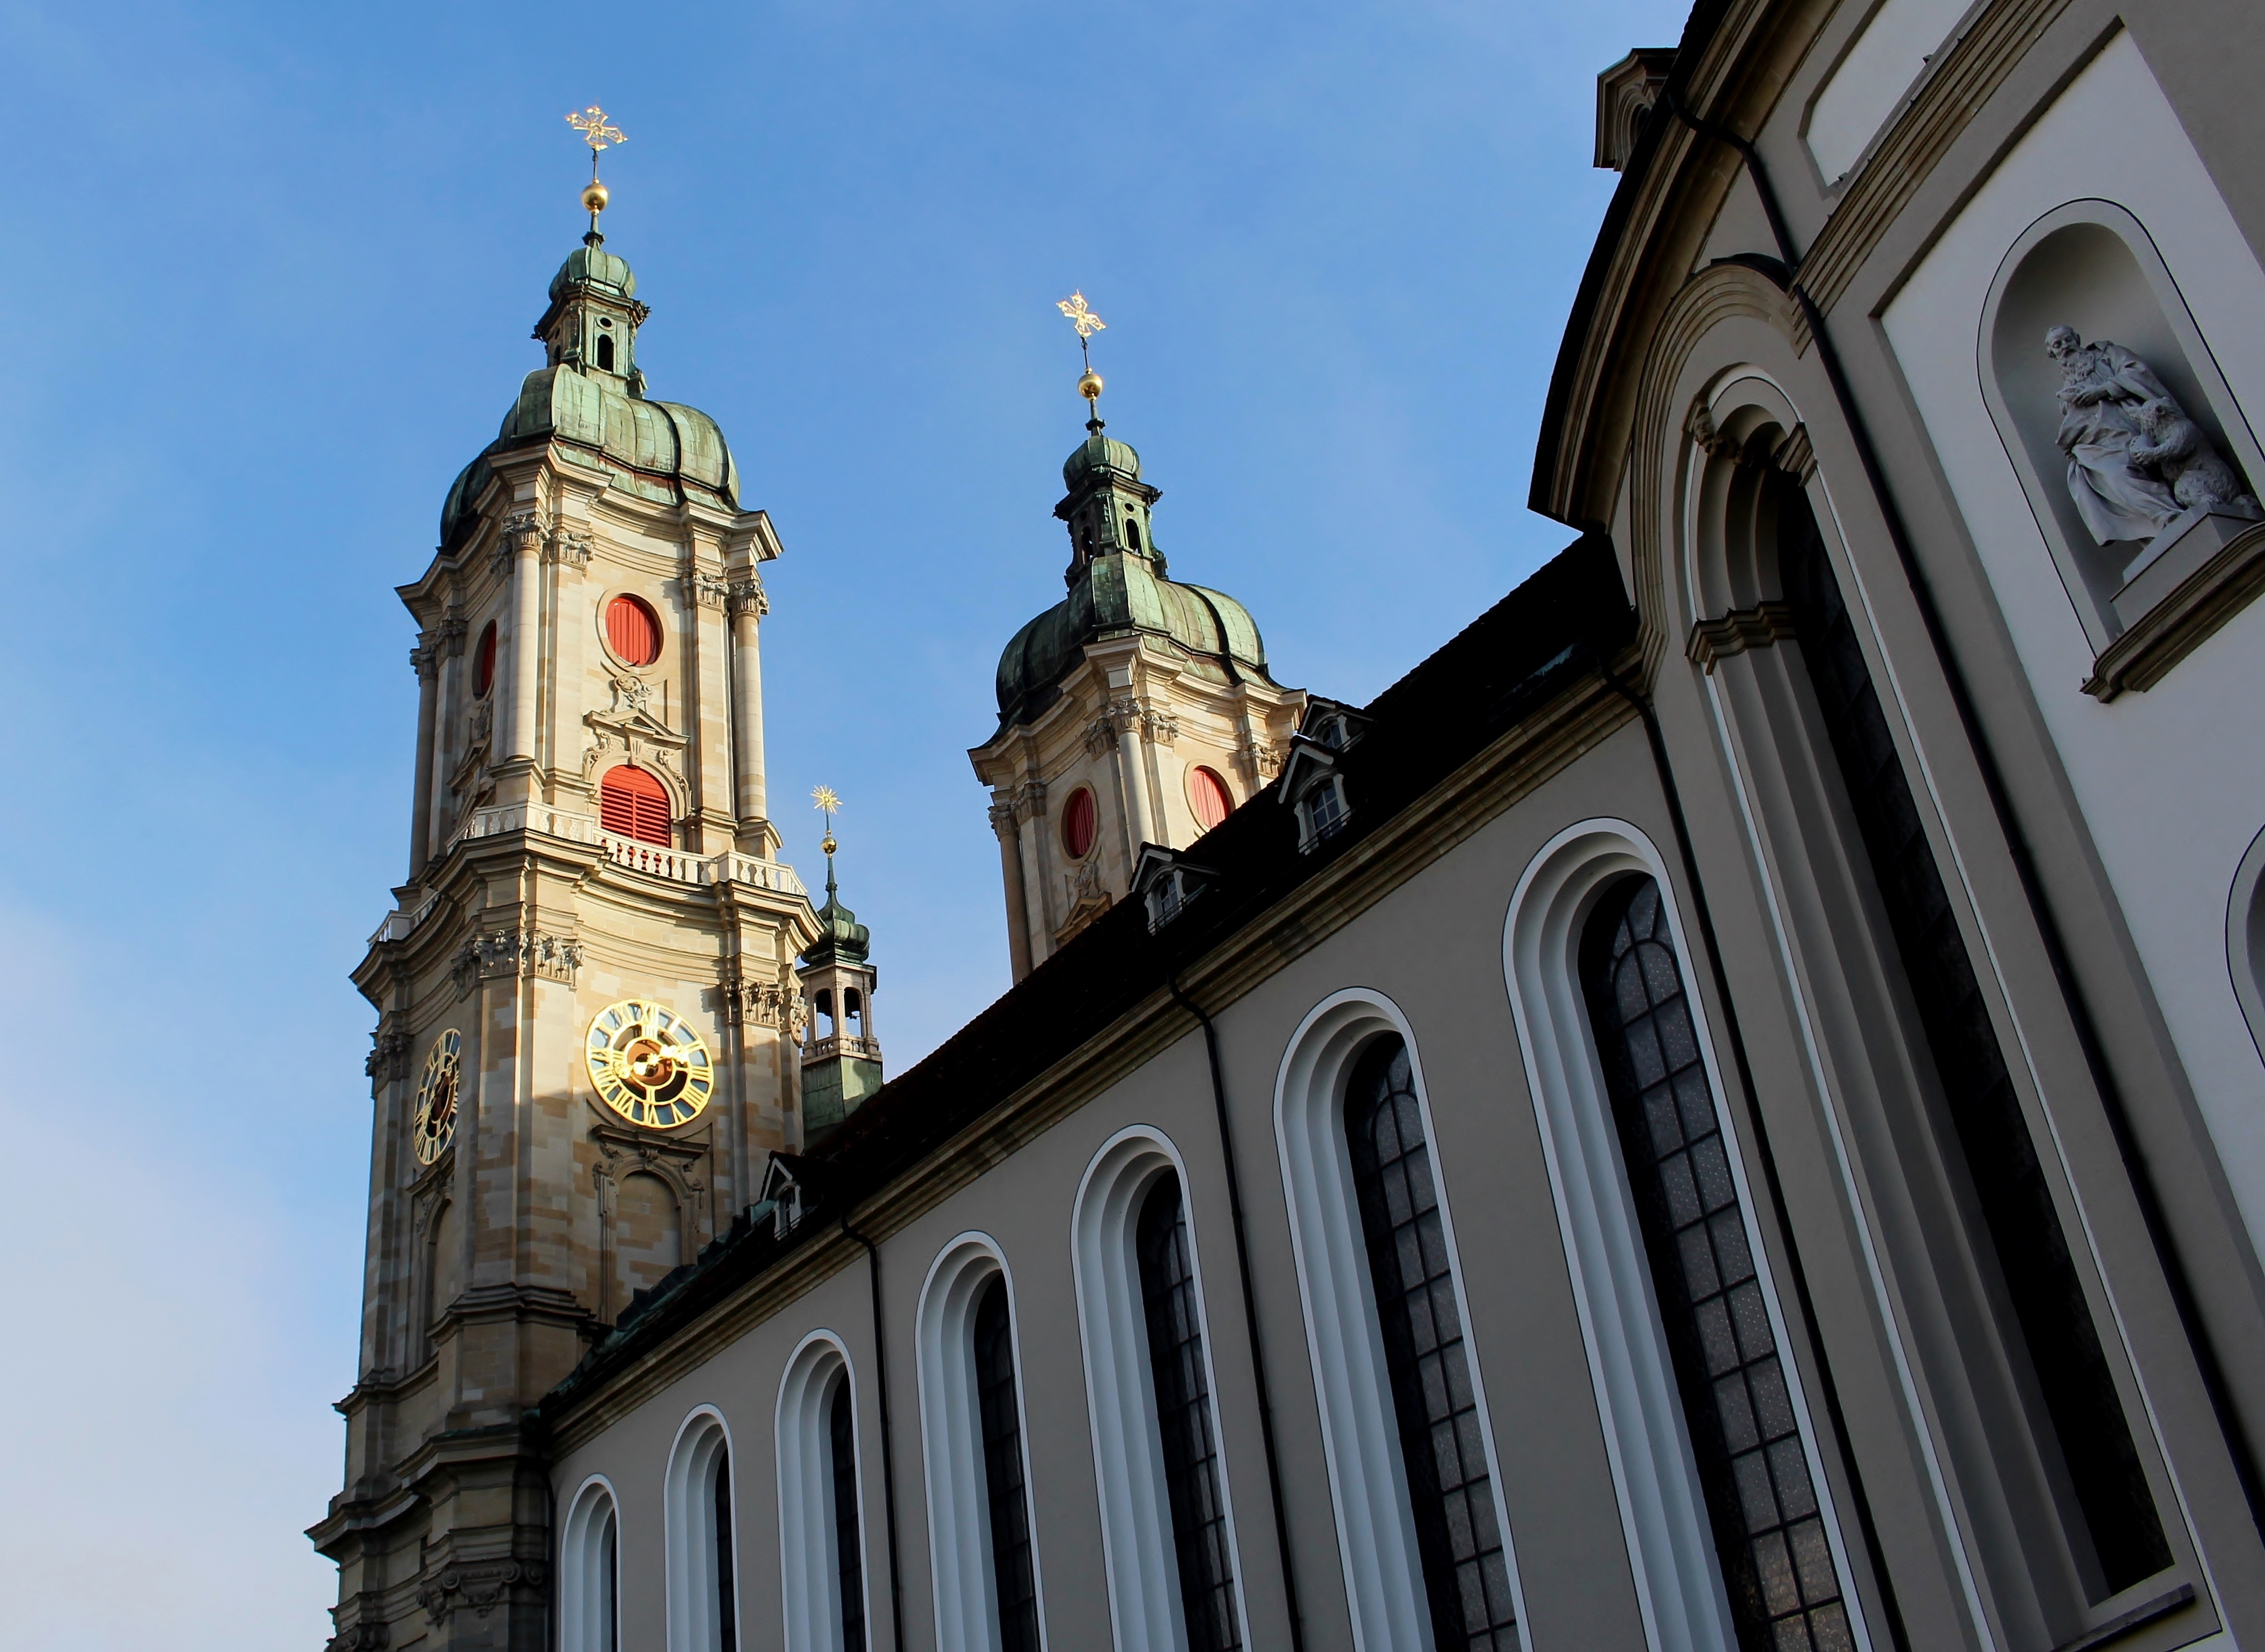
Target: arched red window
<point>1209,797</point>
<point>483,662</point>
<point>634,804</point>
<point>633,630</point>
<point>1080,823</point>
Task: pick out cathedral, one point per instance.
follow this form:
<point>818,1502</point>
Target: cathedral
<point>1723,1112</point>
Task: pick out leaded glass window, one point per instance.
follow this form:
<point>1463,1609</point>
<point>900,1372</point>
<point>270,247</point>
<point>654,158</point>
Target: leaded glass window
<point>1183,1418</point>
<point>2041,1281</point>
<point>1017,1585</point>
<point>727,1632</point>
<point>849,1551</point>
<point>1465,1570</point>
<point>1777,1564</point>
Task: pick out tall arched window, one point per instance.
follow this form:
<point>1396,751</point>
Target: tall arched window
<point>1001,1411</point>
<point>2085,1416</point>
<point>702,1599</point>
<point>589,1567</point>
<point>633,804</point>
<point>1450,1493</point>
<point>1168,1524</point>
<point>983,1556</point>
<point>1184,1419</point>
<point>822,1545</point>
<point>1769,1535</point>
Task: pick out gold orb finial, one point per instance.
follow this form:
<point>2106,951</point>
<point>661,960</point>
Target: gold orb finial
<point>595,197</point>
<point>1090,386</point>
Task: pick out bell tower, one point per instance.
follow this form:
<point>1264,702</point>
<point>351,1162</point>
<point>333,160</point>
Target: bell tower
<point>840,1052</point>
<point>1137,711</point>
<point>585,1047</point>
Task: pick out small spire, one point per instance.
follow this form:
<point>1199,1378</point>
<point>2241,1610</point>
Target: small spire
<point>1089,384</point>
<point>592,124</point>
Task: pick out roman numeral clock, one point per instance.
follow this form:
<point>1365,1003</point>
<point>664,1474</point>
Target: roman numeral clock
<point>647,1064</point>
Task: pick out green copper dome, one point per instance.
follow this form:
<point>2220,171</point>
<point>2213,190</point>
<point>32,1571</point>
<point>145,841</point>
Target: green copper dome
<point>600,417</point>
<point>841,939</point>
<point>1100,453</point>
<point>1118,588</point>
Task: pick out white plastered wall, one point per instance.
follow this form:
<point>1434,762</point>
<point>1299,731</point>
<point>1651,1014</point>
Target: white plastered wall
<point>2171,781</point>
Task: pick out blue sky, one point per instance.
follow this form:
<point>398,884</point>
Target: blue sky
<point>268,276</point>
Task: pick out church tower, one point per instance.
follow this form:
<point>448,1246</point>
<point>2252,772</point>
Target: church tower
<point>840,1052</point>
<point>1136,711</point>
<point>587,1042</point>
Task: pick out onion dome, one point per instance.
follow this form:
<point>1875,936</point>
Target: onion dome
<point>841,939</point>
<point>589,402</point>
<point>1118,587</point>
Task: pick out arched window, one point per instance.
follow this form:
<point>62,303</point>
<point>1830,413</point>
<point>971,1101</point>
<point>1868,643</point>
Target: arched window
<point>1770,1537</point>
<point>1001,1410</point>
<point>633,630</point>
<point>484,661</point>
<point>2084,1415</point>
<point>1080,823</point>
<point>983,1559</point>
<point>1167,1522</point>
<point>702,1602</point>
<point>1450,1490</point>
<point>589,1570</point>
<point>1421,1528</point>
<point>822,1545</point>
<point>633,804</point>
<point>605,353</point>
<point>1131,532</point>
<point>1209,797</point>
<point>1183,1418</point>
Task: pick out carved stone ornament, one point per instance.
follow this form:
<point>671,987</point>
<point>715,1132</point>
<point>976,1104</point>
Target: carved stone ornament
<point>760,1003</point>
<point>452,634</point>
<point>478,1587</point>
<point>2136,461</point>
<point>425,660</point>
<point>359,1637</point>
<point>1158,727</point>
<point>1030,800</point>
<point>483,721</point>
<point>704,589</point>
<point>389,1055</point>
<point>1002,817</point>
<point>748,595</point>
<point>1264,758</point>
<point>1100,737</point>
<point>516,953</point>
<point>1698,424</point>
<point>569,547</point>
<point>629,731</point>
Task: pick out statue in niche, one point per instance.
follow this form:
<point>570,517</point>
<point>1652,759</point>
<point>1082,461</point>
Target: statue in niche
<point>2136,464</point>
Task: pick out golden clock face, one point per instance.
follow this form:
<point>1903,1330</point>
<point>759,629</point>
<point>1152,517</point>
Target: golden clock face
<point>434,1126</point>
<point>648,1064</point>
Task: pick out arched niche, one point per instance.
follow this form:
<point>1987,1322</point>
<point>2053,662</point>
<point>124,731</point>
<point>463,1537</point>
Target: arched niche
<point>2092,266</point>
<point>1742,433</point>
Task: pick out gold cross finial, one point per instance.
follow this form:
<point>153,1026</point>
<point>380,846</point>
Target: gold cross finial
<point>1083,319</point>
<point>824,798</point>
<point>591,123</point>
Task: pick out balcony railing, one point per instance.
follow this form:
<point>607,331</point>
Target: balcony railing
<point>676,866</point>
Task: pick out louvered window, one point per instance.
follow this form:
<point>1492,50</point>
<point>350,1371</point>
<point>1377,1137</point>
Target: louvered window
<point>848,1549</point>
<point>1016,1587</point>
<point>1183,1417</point>
<point>633,630</point>
<point>632,803</point>
<point>1777,1564</point>
<point>1207,796</point>
<point>1465,1572</point>
<point>1080,823</point>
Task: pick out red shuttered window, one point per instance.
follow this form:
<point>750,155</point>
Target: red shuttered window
<point>1080,823</point>
<point>1209,797</point>
<point>483,662</point>
<point>632,803</point>
<point>633,630</point>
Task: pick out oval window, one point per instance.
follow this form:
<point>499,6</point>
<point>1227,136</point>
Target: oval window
<point>632,804</point>
<point>1080,824</point>
<point>633,630</point>
<point>483,662</point>
<point>1209,797</point>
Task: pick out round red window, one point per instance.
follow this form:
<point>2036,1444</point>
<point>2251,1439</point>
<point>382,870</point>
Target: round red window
<point>1080,824</point>
<point>633,630</point>
<point>1208,796</point>
<point>483,662</point>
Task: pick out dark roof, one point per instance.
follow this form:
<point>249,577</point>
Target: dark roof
<point>1698,29</point>
<point>1503,665</point>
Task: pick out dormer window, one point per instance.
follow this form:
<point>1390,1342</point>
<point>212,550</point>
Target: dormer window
<point>1322,811</point>
<point>1166,896</point>
<point>1166,884</point>
<point>1334,727</point>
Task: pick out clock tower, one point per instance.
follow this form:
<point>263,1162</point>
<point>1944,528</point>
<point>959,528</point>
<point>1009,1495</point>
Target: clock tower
<point>587,1005</point>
